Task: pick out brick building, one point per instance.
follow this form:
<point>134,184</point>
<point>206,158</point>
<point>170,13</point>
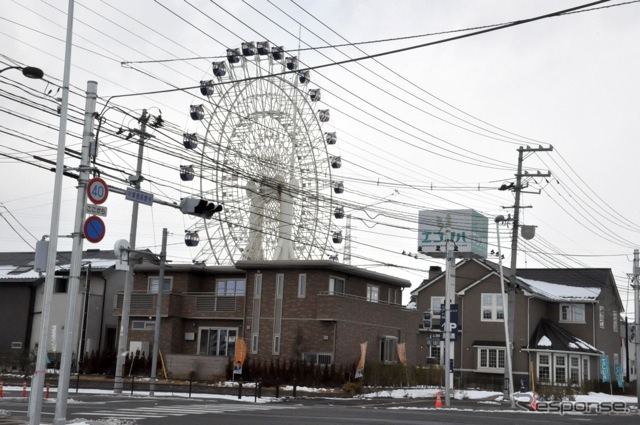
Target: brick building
<point>319,311</point>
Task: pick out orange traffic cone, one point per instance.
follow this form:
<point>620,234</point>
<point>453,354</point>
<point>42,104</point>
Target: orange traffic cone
<point>46,393</point>
<point>24,389</point>
<point>534,403</point>
<point>438,400</point>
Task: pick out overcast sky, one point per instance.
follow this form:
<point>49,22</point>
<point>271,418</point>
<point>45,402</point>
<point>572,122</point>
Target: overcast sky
<point>436,127</point>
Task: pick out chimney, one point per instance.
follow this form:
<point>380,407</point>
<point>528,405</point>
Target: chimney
<point>434,271</point>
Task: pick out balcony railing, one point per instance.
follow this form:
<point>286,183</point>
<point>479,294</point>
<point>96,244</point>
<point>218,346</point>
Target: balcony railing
<point>185,303</point>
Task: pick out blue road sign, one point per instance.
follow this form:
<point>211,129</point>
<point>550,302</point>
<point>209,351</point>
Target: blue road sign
<point>94,229</point>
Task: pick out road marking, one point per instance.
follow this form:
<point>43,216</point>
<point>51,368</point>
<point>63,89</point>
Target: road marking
<point>178,410</point>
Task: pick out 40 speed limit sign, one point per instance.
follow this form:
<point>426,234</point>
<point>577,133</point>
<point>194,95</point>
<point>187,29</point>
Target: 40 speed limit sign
<point>97,190</point>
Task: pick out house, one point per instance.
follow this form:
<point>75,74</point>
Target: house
<point>21,298</point>
<point>565,321</point>
<point>318,311</point>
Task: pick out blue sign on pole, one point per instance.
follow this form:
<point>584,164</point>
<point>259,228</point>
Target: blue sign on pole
<point>604,369</point>
<point>453,321</point>
<point>94,229</point>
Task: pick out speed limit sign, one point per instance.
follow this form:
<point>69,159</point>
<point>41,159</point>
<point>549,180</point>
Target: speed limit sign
<point>97,190</point>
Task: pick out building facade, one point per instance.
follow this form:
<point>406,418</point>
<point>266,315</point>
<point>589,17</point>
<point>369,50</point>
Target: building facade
<point>316,311</point>
<point>565,322</point>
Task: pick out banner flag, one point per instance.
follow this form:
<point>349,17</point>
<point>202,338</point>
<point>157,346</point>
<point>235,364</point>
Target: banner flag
<point>363,354</point>
<point>241,355</point>
<point>402,353</point>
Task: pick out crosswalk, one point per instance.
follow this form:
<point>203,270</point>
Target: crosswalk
<point>160,411</point>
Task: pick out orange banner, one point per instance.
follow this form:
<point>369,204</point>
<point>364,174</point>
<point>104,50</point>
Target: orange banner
<point>402,353</point>
<point>363,355</point>
<point>241,355</point>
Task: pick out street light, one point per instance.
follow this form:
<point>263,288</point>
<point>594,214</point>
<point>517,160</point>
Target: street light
<point>27,71</point>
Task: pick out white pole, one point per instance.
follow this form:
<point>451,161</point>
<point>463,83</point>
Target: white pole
<point>507,344</point>
<point>76,257</point>
<point>37,383</point>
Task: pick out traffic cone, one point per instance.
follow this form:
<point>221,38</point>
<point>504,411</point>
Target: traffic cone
<point>24,389</point>
<point>534,403</point>
<point>438,400</point>
<point>1,384</point>
<point>46,393</point>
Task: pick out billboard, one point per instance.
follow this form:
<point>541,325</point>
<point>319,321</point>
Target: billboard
<point>465,229</point>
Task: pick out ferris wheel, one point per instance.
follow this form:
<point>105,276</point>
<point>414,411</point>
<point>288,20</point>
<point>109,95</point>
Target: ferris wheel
<point>264,158</point>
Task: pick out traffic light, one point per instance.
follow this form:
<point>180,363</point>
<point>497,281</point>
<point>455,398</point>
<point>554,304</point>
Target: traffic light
<point>199,207</point>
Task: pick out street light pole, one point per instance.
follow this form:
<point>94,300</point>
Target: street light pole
<point>37,383</point>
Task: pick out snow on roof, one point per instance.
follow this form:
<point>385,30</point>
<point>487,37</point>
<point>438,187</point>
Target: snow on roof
<point>559,292</point>
<point>12,272</point>
<point>544,342</point>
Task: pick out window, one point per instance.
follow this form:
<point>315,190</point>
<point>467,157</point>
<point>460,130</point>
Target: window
<point>60,286</point>
<point>615,319</point>
<point>544,368</point>
<point>491,358</point>
<point>436,306</point>
<point>336,285</point>
<point>257,290</point>
<point>574,369</point>
<point>254,343</point>
<point>317,358</point>
<point>492,310</point>
<point>155,280</point>
<point>276,344</point>
<point>302,285</point>
<point>601,317</point>
<point>373,293</point>
<point>388,349</point>
<point>585,369</point>
<point>143,325</point>
<point>255,314</point>
<point>434,354</point>
<point>277,319</point>
<point>572,313</point>
<point>393,296</point>
<point>560,368</point>
<point>217,341</point>
<point>230,287</point>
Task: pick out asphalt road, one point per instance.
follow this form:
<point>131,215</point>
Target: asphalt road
<point>311,411</point>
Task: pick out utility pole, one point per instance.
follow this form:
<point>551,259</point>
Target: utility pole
<point>128,283</point>
<point>76,256</point>
<point>511,288</point>
<point>449,294</point>
<point>636,305</point>
<point>156,334</point>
